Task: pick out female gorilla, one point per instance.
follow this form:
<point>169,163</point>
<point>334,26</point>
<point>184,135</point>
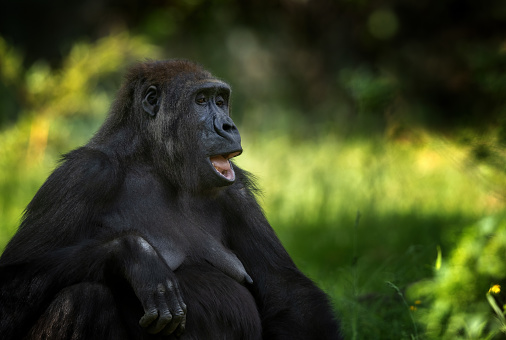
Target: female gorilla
<point>149,231</point>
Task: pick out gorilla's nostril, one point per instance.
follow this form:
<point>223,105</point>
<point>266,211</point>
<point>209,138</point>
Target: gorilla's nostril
<point>228,127</point>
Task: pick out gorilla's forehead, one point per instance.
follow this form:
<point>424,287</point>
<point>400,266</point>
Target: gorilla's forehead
<point>208,84</point>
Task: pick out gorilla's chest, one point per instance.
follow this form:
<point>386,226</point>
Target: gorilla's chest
<point>176,226</point>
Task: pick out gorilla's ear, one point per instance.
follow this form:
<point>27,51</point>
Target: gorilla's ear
<point>151,100</point>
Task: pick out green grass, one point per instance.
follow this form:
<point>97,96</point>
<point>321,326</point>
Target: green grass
<point>413,197</point>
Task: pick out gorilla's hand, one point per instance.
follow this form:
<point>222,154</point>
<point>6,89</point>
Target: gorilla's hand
<point>154,284</point>
<point>164,309</point>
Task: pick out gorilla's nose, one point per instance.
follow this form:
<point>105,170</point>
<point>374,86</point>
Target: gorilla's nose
<point>225,127</point>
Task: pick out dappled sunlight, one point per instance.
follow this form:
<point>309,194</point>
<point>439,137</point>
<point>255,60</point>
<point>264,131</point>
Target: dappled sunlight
<point>413,198</point>
<point>38,139</point>
<point>314,182</point>
<point>428,161</point>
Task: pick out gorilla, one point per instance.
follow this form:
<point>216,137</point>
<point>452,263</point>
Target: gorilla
<point>149,231</point>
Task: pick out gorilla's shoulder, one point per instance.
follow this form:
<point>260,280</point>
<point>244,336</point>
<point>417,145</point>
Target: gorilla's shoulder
<point>87,172</point>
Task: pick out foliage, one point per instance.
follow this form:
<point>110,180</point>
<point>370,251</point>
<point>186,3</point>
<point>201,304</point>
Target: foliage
<point>464,289</point>
<point>414,196</point>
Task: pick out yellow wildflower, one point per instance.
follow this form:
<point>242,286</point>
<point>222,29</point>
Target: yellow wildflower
<point>495,289</point>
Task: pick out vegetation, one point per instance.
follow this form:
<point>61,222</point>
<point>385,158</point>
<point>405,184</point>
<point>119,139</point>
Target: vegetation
<point>403,225</point>
<point>398,231</point>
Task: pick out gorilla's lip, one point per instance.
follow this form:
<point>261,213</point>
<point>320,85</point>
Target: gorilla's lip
<point>222,166</point>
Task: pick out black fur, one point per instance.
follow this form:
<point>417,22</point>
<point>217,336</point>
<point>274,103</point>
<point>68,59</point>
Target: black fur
<point>137,225</point>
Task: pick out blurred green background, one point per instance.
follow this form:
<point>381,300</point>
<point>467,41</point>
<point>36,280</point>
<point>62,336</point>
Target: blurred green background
<point>376,130</point>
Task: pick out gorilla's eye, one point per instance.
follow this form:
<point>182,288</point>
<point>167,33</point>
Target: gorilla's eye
<point>220,102</point>
<point>201,99</point>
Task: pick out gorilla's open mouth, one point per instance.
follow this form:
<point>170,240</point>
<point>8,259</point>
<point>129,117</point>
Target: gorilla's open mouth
<point>222,165</point>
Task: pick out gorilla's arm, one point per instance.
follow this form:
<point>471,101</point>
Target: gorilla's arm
<point>291,305</point>
<point>58,246</point>
<point>288,301</point>
<point>128,256</point>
